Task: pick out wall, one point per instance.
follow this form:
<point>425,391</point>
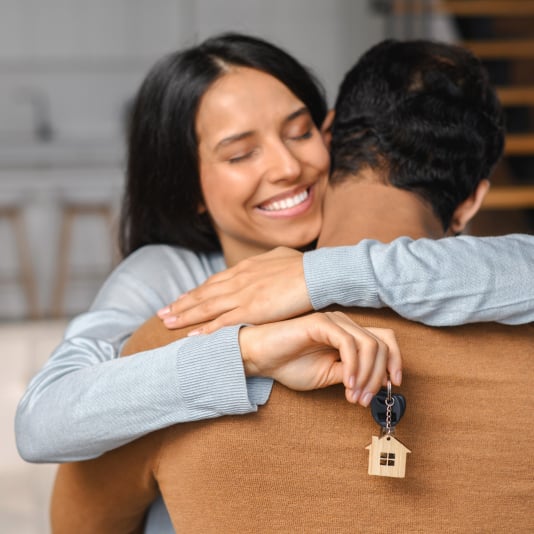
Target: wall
<point>70,67</point>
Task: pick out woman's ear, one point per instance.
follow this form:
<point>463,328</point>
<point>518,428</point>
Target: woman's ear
<point>468,208</point>
<point>326,128</point>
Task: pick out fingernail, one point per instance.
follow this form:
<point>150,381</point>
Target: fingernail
<point>366,399</point>
<point>194,332</point>
<point>169,321</point>
<point>356,395</point>
<point>352,380</point>
<point>163,312</point>
<point>398,377</point>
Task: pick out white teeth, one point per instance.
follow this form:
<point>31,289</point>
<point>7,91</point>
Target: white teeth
<point>287,203</point>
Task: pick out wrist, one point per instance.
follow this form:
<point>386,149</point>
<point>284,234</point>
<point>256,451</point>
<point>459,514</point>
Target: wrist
<point>246,344</point>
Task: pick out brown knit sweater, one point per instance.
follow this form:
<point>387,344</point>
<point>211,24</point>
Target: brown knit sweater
<point>300,463</point>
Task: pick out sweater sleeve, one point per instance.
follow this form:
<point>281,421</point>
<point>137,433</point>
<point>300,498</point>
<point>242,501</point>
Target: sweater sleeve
<point>86,400</point>
<point>444,282</point>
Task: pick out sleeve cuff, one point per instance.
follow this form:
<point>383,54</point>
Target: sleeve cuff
<point>341,275</point>
<point>219,387</point>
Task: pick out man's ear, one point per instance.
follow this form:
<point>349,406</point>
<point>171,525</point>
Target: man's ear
<point>326,128</point>
<point>468,208</point>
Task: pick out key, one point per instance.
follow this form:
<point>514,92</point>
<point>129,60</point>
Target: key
<point>379,408</point>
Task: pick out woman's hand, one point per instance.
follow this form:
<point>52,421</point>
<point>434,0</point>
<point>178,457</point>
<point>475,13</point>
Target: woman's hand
<point>265,288</point>
<point>320,350</point>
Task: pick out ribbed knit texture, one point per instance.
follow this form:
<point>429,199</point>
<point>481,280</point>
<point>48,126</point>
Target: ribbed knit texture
<point>443,282</point>
<point>341,275</point>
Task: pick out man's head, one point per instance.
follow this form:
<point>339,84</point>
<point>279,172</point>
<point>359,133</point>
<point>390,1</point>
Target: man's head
<point>422,117</point>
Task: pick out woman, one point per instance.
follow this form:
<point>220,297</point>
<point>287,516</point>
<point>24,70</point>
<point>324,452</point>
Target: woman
<point>86,401</point>
<point>178,193</point>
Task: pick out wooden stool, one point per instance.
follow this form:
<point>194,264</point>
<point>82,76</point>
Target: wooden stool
<point>72,210</point>
<point>13,214</point>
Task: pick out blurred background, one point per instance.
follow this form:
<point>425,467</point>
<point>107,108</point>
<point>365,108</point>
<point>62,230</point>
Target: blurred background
<point>68,72</point>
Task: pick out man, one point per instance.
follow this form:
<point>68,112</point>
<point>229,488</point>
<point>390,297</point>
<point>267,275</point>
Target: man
<point>416,133</point>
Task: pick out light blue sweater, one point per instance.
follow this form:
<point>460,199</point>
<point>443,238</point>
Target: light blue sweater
<point>86,401</point>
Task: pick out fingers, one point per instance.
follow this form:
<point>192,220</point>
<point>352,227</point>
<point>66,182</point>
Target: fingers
<point>394,362</point>
<point>320,350</point>
<point>207,310</point>
<point>250,287</point>
<point>219,294</point>
<point>379,356</point>
<point>199,305</point>
<point>365,374</point>
<point>226,319</point>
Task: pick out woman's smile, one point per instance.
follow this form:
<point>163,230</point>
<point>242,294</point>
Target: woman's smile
<point>288,204</point>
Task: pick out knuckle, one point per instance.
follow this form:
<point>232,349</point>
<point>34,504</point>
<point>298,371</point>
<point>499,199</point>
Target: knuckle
<point>372,344</point>
<point>206,307</point>
<point>245,264</point>
<point>382,345</point>
<point>389,334</point>
<point>339,314</point>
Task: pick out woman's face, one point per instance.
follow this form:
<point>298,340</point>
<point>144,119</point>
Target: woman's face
<point>263,164</point>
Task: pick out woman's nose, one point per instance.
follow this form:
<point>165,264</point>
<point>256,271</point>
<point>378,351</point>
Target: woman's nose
<point>283,165</point>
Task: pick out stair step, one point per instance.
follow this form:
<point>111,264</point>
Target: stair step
<point>502,49</point>
<point>516,96</point>
<point>474,8</point>
<point>468,8</point>
<point>519,145</point>
<point>513,197</point>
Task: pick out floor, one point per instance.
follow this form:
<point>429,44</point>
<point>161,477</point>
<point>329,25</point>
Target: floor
<point>24,488</point>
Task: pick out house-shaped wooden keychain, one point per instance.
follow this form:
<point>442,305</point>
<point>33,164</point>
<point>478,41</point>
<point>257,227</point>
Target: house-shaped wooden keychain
<point>387,457</point>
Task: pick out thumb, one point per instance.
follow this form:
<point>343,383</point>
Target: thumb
<point>334,375</point>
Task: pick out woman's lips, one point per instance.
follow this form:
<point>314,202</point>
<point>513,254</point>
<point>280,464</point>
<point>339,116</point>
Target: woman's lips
<point>287,202</point>
<point>289,205</point>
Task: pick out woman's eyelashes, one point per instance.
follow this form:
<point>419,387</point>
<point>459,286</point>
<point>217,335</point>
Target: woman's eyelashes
<point>241,157</point>
<point>306,135</point>
<point>298,135</point>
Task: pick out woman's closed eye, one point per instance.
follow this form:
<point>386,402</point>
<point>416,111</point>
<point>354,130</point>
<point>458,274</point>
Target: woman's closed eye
<point>306,135</point>
<point>300,128</point>
<point>241,157</point>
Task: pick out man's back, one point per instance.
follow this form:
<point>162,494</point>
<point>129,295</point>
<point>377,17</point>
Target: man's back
<point>300,463</point>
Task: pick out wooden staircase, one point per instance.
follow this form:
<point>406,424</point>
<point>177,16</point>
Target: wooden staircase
<point>512,43</point>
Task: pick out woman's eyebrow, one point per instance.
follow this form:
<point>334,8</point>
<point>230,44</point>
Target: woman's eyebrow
<point>232,139</point>
<point>298,113</point>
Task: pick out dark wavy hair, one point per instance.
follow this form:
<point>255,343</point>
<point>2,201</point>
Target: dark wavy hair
<point>162,194</point>
<point>424,116</point>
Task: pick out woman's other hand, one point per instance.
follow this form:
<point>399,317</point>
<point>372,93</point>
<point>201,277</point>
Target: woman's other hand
<point>264,288</point>
<point>320,350</point>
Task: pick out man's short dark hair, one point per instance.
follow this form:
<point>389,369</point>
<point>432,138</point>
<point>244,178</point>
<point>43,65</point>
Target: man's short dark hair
<point>424,116</point>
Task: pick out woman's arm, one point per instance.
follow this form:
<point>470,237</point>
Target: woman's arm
<point>314,351</point>
<point>86,400</point>
<point>443,282</point>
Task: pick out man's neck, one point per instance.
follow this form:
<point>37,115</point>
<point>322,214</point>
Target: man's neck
<point>356,210</point>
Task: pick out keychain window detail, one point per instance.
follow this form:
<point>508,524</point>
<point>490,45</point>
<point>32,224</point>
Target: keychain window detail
<point>387,458</point>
